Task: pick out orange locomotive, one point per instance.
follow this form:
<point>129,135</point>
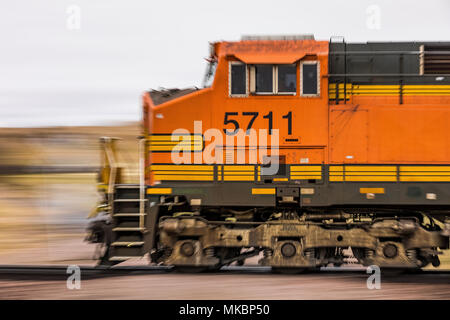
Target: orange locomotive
<point>294,150</point>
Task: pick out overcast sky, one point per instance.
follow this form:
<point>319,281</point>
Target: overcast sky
<point>87,61</point>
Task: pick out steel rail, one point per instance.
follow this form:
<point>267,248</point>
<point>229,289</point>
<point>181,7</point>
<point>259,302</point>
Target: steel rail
<point>62,270</point>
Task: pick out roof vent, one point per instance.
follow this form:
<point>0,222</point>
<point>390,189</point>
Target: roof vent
<point>435,59</point>
<point>279,37</point>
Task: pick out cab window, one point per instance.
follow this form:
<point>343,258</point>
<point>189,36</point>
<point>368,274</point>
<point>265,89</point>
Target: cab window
<point>309,71</point>
<point>273,79</point>
<point>264,78</point>
<point>238,79</point>
<point>287,78</point>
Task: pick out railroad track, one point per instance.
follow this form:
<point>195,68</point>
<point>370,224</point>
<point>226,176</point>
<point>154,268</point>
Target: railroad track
<point>56,271</point>
<point>86,271</point>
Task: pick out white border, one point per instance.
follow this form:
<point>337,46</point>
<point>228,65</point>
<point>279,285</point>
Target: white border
<point>229,80</point>
<point>318,78</point>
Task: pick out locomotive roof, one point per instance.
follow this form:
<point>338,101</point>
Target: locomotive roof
<point>270,51</point>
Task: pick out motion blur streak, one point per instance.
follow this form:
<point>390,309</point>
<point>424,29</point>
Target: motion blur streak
<point>47,189</point>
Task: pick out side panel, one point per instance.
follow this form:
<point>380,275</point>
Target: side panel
<point>410,134</point>
<point>378,134</point>
<point>349,135</point>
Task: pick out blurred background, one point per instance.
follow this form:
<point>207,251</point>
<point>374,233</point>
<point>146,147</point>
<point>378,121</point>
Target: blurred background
<point>73,71</point>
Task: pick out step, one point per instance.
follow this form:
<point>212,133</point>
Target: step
<point>128,206</point>
<point>129,200</point>
<point>127,251</point>
<point>129,214</point>
<point>122,229</point>
<point>126,223</point>
<point>127,244</point>
<point>126,237</point>
<point>127,186</point>
<point>121,258</point>
<point>127,192</point>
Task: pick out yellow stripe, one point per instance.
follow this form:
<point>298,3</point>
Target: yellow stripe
<point>182,167</point>
<point>239,173</point>
<point>193,173</point>
<point>307,173</point>
<point>263,190</point>
<point>169,138</point>
<point>423,168</point>
<point>306,168</point>
<point>387,86</point>
<point>404,94</point>
<point>177,148</point>
<point>243,176</point>
<point>427,94</point>
<point>184,177</point>
<point>433,173</point>
<point>310,173</point>
<point>175,143</point>
<point>426,179</point>
<point>337,178</point>
<point>371,190</point>
<point>443,86</point>
<point>161,148</point>
<point>159,191</point>
<point>279,179</point>
<point>331,96</point>
<point>371,173</point>
<point>388,90</point>
<point>305,177</point>
<point>425,90</point>
<point>336,168</point>
<point>238,178</point>
<point>370,168</point>
<point>371,178</point>
<point>239,168</point>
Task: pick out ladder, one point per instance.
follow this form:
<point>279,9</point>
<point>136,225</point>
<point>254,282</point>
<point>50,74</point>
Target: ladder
<point>128,223</point>
<point>133,233</point>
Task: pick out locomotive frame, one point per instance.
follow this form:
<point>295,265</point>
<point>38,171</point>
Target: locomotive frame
<point>385,199</point>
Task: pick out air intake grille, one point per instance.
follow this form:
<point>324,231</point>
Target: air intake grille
<point>436,60</point>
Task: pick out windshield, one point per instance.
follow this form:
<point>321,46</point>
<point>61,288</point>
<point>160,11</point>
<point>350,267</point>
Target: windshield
<point>209,74</point>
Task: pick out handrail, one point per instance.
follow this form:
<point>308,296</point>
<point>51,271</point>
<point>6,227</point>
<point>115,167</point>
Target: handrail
<point>142,142</point>
<point>107,176</point>
<point>110,161</point>
<point>388,52</point>
<point>387,75</point>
